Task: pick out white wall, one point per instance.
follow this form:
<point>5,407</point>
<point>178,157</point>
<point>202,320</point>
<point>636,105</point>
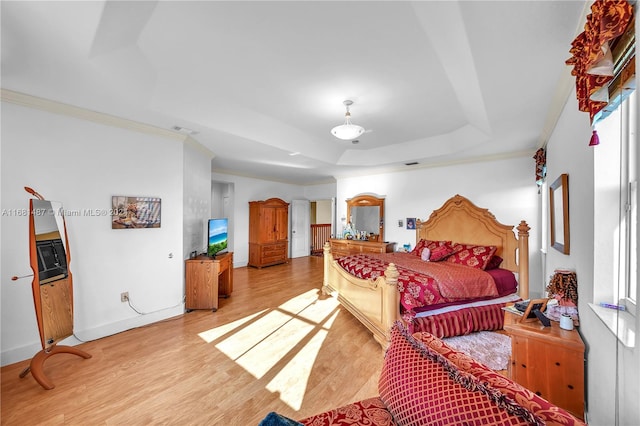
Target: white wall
<point>323,211</point>
<point>82,164</point>
<point>320,191</point>
<point>506,187</point>
<point>197,197</point>
<point>568,152</point>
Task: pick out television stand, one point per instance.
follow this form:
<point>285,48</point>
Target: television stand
<point>206,279</point>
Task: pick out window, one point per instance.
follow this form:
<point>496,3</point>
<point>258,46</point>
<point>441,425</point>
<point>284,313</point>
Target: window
<point>615,201</point>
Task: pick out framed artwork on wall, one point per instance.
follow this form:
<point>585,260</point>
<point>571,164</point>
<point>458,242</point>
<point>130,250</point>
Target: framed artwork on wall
<point>559,213</point>
<point>135,212</point>
<point>411,223</point>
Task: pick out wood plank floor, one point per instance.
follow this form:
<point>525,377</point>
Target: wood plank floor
<point>275,345</point>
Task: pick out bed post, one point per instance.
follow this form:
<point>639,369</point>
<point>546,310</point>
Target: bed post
<point>390,301</point>
<point>523,259</point>
<point>326,289</point>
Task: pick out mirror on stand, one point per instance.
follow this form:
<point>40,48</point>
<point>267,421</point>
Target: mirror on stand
<point>52,283</point>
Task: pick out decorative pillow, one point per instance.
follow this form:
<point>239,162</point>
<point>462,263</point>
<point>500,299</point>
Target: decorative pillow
<point>419,386</point>
<point>494,262</point>
<point>440,253</point>
<point>275,419</point>
<point>417,250</point>
<point>426,254</point>
<point>369,411</point>
<point>472,255</point>
<point>548,412</point>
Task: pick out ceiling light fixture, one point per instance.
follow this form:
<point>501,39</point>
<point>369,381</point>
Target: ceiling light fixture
<point>347,131</point>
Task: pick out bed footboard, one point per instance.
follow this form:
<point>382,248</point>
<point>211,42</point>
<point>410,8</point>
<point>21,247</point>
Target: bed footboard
<point>376,304</point>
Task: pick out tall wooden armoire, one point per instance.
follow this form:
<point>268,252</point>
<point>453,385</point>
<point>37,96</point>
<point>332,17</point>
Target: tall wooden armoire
<point>268,232</point>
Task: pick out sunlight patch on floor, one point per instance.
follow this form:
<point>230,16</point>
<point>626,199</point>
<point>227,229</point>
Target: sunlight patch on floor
<point>258,342</point>
<point>319,310</point>
<point>252,334</point>
<point>216,333</point>
<point>291,381</point>
<point>266,354</point>
<point>300,302</point>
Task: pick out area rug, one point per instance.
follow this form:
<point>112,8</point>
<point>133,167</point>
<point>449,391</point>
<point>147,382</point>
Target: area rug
<point>489,348</point>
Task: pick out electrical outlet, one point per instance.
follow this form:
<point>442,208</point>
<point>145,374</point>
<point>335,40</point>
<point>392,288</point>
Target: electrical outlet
<point>124,297</point>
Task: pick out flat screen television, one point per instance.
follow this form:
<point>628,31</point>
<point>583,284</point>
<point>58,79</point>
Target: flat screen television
<point>218,236</point>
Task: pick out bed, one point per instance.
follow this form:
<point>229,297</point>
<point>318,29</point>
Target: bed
<point>377,302</point>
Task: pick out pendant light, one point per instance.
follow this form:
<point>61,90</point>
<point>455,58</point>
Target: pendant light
<point>347,131</point>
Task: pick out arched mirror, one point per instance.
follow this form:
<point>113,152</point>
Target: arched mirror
<point>366,213</point>
<point>52,283</point>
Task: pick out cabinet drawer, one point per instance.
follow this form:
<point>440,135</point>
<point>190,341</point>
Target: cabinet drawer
<point>372,249</point>
<point>274,250</point>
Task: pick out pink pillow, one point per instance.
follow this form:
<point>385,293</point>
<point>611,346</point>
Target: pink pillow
<point>419,386</point>
<point>472,255</point>
<point>426,253</point>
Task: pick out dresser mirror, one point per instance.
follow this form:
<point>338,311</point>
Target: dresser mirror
<point>366,213</point>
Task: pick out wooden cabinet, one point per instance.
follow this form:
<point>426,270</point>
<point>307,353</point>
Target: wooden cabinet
<point>347,247</point>
<point>548,361</point>
<point>268,232</point>
<point>207,279</point>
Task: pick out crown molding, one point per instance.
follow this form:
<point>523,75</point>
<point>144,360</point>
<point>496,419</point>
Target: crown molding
<point>60,108</point>
<point>471,160</point>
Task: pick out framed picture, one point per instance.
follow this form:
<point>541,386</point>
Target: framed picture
<point>559,213</point>
<point>411,223</point>
<point>534,304</point>
<point>135,212</point>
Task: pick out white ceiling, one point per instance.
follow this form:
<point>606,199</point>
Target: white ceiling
<point>433,82</point>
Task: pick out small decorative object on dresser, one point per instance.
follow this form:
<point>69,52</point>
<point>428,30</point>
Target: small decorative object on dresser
<point>563,289</point>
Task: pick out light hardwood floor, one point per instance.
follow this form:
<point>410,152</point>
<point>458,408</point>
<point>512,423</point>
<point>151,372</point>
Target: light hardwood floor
<point>275,345</point>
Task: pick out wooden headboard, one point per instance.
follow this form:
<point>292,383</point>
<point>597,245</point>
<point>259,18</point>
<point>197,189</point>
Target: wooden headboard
<point>461,221</point>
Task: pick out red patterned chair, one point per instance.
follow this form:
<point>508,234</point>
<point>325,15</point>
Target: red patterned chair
<point>425,382</point>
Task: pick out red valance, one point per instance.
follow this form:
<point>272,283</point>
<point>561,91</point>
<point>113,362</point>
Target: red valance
<point>541,165</point>
<point>592,61</point>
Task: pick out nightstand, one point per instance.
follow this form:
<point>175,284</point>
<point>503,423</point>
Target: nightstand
<point>548,361</point>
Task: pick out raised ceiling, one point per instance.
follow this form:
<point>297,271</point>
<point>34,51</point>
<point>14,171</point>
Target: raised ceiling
<point>262,83</point>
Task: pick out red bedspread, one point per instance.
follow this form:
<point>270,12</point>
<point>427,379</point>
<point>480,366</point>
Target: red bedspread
<point>423,283</point>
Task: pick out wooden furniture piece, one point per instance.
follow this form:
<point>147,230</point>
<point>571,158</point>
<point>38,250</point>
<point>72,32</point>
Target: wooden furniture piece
<point>208,278</point>
<point>549,361</point>
<point>377,303</point>
<point>268,232</point>
<point>366,213</point>
<point>52,283</point>
<point>423,381</point>
<point>341,247</point>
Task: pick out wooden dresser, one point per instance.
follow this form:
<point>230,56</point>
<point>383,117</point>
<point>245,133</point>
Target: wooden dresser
<point>343,247</point>
<point>548,361</point>
<point>207,278</point>
<point>268,232</point>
